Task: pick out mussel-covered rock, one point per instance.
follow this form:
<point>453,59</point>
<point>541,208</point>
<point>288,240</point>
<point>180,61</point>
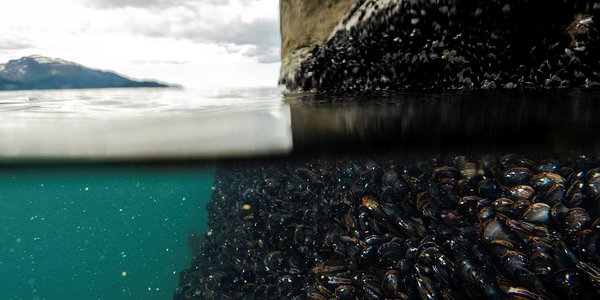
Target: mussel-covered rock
<point>507,228</point>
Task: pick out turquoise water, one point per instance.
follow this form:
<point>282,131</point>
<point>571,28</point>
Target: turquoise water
<point>98,232</point>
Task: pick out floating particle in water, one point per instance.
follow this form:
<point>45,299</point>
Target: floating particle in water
<point>123,273</point>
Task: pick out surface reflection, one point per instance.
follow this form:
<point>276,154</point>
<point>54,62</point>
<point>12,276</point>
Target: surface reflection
<point>546,122</point>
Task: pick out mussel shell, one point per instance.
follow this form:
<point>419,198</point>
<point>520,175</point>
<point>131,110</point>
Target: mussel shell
<point>567,279</point>
<point>346,292</point>
<point>556,194</point>
<point>495,230</point>
<point>305,236</point>
<point>391,283</point>
<point>558,213</point>
<point>589,245</point>
<point>514,261</point>
<point>537,213</point>
<point>544,181</point>
<point>486,214</point>
<point>488,189</point>
<point>368,257</point>
<point>547,166</point>
<point>592,178</point>
<point>516,160</point>
<point>576,220</point>
<point>575,194</point>
<point>446,172</point>
<point>541,263</point>
<point>521,192</point>
<point>503,205</point>
<point>390,178</point>
<point>517,176</point>
<point>389,254</point>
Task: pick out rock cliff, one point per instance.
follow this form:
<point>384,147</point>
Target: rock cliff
<point>305,24</point>
<point>440,45</point>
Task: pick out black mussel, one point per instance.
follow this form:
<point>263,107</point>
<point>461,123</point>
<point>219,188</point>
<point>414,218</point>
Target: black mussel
<point>521,293</point>
<point>591,271</point>
<point>589,245</point>
<point>556,194</point>
<point>496,230</point>
<point>516,160</point>
<point>567,279</point>
<point>544,181</point>
<point>547,166</point>
<point>488,189</point>
<point>274,261</point>
<point>520,206</point>
<point>576,220</point>
<point>558,213</point>
<point>488,161</point>
<point>329,267</point>
<point>521,192</point>
<point>537,213</point>
<point>427,287</point>
<point>390,178</point>
<point>595,208</point>
<point>446,172</point>
<point>486,214</point>
<point>316,296</point>
<point>467,206</point>
<point>517,176</point>
<point>346,292</point>
<point>541,263</point>
<point>452,217</point>
<point>525,229</point>
<point>366,223</point>
<point>503,205</point>
<point>305,236</point>
<point>514,261</point>
<point>427,206</point>
<point>353,250</point>
<point>297,262</point>
<point>373,240</point>
<point>412,227</point>
<point>389,254</point>
<point>391,285</point>
<point>575,196</point>
<point>371,287</point>
<point>592,178</point>
<point>565,171</point>
<point>368,257</point>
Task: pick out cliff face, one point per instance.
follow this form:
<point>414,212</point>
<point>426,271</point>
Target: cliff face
<point>304,24</point>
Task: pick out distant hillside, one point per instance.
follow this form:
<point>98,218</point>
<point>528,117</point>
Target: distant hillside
<point>40,72</point>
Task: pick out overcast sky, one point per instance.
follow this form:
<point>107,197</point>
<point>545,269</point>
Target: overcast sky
<point>197,43</point>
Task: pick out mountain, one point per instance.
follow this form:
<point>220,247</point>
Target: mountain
<point>39,72</point>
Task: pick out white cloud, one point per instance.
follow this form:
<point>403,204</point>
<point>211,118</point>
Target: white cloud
<point>150,38</point>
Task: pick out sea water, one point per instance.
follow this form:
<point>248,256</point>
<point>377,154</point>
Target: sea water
<point>103,193</point>
<point>98,231</point>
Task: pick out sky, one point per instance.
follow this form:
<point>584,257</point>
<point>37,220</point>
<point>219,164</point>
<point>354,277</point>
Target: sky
<point>195,43</point>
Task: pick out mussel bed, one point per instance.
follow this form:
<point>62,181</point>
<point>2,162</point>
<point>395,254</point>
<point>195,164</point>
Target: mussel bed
<point>449,227</point>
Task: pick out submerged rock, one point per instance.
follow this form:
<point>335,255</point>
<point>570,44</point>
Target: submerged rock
<point>355,228</point>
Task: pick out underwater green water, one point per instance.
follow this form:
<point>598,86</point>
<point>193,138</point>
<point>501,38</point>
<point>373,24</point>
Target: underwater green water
<point>98,232</point>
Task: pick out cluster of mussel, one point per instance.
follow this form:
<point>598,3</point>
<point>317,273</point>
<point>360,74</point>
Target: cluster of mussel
<point>449,44</point>
<point>447,228</point>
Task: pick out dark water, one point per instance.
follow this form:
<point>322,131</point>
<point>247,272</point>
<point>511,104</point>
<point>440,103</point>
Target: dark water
<point>99,231</point>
